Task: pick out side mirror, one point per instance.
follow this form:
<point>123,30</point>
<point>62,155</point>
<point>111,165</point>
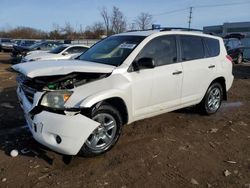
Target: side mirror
<point>65,53</point>
<point>145,63</point>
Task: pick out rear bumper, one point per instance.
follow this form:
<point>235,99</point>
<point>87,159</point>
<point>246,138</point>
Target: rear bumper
<point>62,133</point>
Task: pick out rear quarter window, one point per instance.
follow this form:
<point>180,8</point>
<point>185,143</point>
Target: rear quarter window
<point>213,46</point>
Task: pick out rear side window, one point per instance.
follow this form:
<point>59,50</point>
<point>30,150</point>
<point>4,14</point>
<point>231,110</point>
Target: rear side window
<point>192,48</point>
<point>213,46</point>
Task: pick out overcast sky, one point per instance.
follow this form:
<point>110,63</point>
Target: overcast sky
<point>42,14</point>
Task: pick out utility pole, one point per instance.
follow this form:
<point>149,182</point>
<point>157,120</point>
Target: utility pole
<point>190,17</point>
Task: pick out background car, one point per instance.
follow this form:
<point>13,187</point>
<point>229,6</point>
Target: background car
<point>25,43</point>
<point>20,51</point>
<point>6,44</point>
<point>64,51</point>
<point>234,47</point>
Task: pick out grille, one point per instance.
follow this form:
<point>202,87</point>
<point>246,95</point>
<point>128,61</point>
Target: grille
<point>29,93</point>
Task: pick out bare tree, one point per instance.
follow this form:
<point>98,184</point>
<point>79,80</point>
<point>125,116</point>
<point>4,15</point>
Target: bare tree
<point>132,26</point>
<point>106,19</point>
<point>55,33</point>
<point>94,31</point>
<point>144,21</point>
<point>68,31</point>
<point>26,32</point>
<point>118,21</point>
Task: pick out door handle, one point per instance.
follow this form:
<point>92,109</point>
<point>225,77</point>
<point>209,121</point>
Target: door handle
<point>211,66</point>
<point>177,72</point>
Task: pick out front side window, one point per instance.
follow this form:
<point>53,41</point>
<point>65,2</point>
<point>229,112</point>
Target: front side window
<point>112,50</point>
<point>161,49</point>
<point>191,48</point>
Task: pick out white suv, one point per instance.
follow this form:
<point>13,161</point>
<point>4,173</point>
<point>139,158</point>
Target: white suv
<point>80,106</point>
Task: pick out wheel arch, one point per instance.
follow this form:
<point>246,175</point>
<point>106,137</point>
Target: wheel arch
<point>116,101</point>
<point>120,105</point>
<point>221,80</point>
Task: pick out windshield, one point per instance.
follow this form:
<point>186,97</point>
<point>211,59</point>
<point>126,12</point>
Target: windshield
<point>58,50</point>
<point>35,45</point>
<point>6,40</point>
<point>112,50</point>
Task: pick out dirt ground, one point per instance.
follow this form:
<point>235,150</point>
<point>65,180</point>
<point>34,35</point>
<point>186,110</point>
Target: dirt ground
<point>178,149</point>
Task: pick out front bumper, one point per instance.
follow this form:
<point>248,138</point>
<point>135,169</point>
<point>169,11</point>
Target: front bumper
<point>46,127</point>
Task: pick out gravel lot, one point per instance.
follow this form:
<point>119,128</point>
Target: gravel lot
<point>177,149</point>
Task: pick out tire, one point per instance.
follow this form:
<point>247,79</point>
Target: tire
<point>211,102</point>
<point>104,137</point>
<point>239,59</point>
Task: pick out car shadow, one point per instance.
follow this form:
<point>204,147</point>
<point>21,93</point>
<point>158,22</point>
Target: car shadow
<point>241,71</point>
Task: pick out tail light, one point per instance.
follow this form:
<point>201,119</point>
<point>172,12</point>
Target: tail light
<point>229,58</point>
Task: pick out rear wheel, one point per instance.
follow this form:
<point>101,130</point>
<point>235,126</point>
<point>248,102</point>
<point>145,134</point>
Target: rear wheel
<point>104,137</point>
<point>212,100</point>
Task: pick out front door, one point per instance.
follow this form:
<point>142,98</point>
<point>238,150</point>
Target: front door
<point>160,87</point>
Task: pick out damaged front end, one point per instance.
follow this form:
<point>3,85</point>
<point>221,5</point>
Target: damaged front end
<point>43,100</point>
<point>56,89</point>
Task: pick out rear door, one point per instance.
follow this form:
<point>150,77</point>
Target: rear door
<point>198,69</point>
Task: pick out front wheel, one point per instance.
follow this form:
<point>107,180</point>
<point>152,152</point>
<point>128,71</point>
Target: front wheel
<point>212,99</point>
<point>239,59</point>
<point>104,137</point>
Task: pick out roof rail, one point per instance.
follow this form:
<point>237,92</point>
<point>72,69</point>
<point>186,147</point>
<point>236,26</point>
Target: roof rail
<point>173,29</point>
<point>134,30</point>
<point>179,29</point>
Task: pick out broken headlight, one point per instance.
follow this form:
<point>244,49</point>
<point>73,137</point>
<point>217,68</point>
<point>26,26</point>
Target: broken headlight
<point>56,99</point>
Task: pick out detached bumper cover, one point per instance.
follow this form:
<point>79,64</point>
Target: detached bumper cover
<point>46,126</point>
<point>73,131</point>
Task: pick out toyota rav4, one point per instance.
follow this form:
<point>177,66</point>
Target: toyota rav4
<point>80,106</point>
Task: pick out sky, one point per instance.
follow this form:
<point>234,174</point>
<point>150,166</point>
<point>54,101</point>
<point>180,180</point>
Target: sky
<point>43,14</point>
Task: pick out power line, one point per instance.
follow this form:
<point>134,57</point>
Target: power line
<point>202,6</point>
<point>197,7</point>
<point>221,5</point>
<point>170,12</point>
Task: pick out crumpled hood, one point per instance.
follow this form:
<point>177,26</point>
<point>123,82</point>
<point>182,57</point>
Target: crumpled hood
<point>52,68</point>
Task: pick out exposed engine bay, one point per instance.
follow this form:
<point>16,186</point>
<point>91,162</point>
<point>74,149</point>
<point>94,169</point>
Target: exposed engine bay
<point>59,82</point>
